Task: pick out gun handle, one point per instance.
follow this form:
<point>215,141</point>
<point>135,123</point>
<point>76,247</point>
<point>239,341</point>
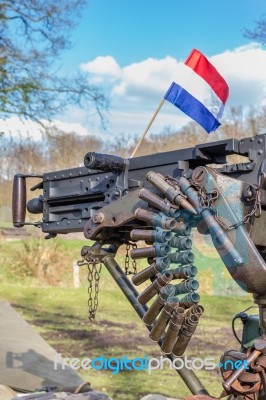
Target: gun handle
<point>19,200</point>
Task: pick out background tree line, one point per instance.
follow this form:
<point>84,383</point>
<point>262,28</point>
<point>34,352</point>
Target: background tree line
<point>59,150</point>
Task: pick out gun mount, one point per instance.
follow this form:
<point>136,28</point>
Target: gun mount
<point>158,200</point>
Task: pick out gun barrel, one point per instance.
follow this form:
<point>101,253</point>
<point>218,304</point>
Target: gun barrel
<point>19,200</point>
<point>104,162</point>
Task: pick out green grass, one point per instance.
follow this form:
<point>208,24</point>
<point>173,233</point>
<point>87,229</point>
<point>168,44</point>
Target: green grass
<point>60,316</point>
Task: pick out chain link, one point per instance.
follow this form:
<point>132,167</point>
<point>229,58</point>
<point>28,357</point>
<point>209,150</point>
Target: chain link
<point>127,260</point>
<point>93,300</point>
<point>94,271</point>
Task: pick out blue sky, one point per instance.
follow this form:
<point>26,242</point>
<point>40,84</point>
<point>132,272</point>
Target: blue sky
<point>132,30</point>
<point>132,49</point>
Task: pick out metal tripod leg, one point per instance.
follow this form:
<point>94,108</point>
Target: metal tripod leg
<point>188,376</point>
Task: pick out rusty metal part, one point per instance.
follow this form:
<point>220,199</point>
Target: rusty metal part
<point>158,203</point>
<point>157,250</point>
<point>115,214</point>
<point>171,193</point>
<point>157,284</point>
<point>156,220</point>
<point>172,332</point>
<point>232,377</point>
<point>155,235</point>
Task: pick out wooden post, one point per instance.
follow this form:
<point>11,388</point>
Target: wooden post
<point>76,281</point>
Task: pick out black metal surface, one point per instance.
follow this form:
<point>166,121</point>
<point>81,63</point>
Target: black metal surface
<point>72,196</point>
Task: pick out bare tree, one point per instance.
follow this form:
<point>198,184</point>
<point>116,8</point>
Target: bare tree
<point>259,33</point>
<point>33,33</point>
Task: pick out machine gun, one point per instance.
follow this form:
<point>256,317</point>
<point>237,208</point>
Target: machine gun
<point>157,201</point>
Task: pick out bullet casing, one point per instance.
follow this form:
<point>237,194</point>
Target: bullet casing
<point>182,229</point>
<point>189,285</point>
<point>183,272</point>
<point>157,250</point>
<point>156,235</point>
<point>188,328</point>
<point>157,202</point>
<point>155,308</point>
<point>196,309</point>
<point>189,300</point>
<point>172,193</point>
<point>180,243</point>
<point>154,219</point>
<point>183,257</point>
<point>144,275</point>
<point>172,332</point>
<point>161,324</point>
<point>157,284</point>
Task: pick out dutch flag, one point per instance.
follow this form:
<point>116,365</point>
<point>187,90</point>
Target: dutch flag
<point>201,92</point>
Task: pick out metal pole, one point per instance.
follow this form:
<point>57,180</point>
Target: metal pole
<point>148,127</point>
<point>188,376</point>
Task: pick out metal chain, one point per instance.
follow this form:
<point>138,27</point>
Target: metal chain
<point>127,260</point>
<point>93,276</point>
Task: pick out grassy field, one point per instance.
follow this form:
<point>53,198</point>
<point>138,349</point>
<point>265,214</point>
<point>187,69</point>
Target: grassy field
<point>59,314</point>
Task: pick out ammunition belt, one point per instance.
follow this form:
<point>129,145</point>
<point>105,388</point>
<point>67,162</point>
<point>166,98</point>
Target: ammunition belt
<point>174,314</point>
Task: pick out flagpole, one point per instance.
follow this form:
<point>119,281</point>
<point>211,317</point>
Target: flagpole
<point>148,127</point>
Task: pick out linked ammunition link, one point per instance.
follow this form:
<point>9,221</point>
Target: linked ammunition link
<point>174,314</point>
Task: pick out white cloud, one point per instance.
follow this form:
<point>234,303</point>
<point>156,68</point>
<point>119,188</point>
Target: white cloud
<point>17,128</point>
<point>139,87</point>
<point>244,69</point>
<point>102,69</point>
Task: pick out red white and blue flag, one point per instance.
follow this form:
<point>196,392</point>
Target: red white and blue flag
<point>201,92</point>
